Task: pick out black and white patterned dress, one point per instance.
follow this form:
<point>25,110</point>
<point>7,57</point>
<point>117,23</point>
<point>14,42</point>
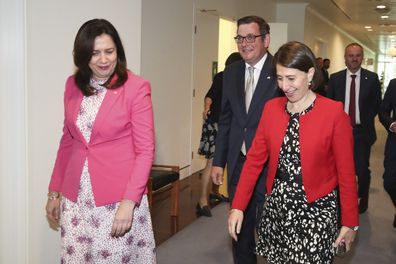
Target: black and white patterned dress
<point>291,230</point>
<point>208,139</point>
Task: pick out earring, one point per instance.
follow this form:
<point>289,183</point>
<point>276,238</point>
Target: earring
<point>309,83</point>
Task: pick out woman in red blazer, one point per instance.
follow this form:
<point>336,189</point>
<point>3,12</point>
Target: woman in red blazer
<point>307,141</point>
<point>98,189</point>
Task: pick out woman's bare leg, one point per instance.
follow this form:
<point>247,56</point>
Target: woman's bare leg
<point>206,182</point>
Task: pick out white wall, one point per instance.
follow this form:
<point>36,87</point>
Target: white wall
<point>318,28</point>
<point>264,8</point>
<point>234,9</point>
<point>167,28</point>
<point>279,36</point>
<point>13,117</point>
<point>294,15</point>
<point>226,46</point>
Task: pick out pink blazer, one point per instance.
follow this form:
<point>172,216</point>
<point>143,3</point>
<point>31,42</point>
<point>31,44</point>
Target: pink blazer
<point>326,152</point>
<point>120,152</point>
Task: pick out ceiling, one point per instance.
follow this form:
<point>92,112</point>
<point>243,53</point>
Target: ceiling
<point>353,15</point>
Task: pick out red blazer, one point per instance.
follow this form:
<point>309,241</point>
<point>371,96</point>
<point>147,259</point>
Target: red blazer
<point>121,149</point>
<point>326,151</point>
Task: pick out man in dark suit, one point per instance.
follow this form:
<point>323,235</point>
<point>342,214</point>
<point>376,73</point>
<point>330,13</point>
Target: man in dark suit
<point>360,91</point>
<point>387,116</point>
<point>321,89</point>
<point>325,70</point>
<point>247,86</point>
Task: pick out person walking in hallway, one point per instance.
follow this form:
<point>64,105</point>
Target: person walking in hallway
<point>325,70</point>
<point>360,91</point>
<point>247,86</point>
<point>212,107</point>
<point>308,143</point>
<point>321,89</point>
<point>387,116</point>
<point>97,192</point>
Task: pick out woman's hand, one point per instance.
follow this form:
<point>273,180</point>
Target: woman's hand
<point>235,219</point>
<point>206,113</point>
<point>207,104</point>
<point>346,236</point>
<point>123,218</point>
<point>53,210</point>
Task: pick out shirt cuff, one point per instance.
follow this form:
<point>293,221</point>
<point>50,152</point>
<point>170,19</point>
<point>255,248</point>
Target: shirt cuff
<point>394,129</point>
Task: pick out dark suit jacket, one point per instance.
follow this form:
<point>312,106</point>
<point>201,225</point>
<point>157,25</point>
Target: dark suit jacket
<point>325,74</point>
<point>369,98</point>
<point>235,125</point>
<point>388,106</point>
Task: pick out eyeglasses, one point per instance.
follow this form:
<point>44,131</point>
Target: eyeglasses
<point>249,38</point>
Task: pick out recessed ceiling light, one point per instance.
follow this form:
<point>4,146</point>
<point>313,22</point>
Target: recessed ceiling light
<point>367,26</point>
<point>381,6</point>
<point>384,17</point>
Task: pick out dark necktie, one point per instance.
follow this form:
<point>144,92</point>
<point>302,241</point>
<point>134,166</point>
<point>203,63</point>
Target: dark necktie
<point>352,101</point>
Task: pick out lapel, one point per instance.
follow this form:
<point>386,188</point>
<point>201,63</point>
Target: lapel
<point>240,88</point>
<point>364,88</point>
<point>265,88</point>
<point>108,103</point>
<point>74,106</point>
<point>342,85</point>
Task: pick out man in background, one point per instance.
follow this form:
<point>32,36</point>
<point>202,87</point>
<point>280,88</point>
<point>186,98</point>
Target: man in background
<point>321,89</point>
<point>360,91</point>
<point>325,71</point>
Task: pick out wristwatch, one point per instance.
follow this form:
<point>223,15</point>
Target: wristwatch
<point>354,228</point>
<point>53,195</point>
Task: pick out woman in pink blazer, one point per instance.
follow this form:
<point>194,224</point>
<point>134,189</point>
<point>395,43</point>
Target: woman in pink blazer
<point>308,144</point>
<point>98,189</point>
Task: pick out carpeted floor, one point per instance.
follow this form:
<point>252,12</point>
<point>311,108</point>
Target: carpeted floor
<point>206,240</point>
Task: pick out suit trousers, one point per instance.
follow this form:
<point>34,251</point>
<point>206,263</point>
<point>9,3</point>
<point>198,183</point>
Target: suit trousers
<point>243,249</point>
<point>390,168</point>
<point>362,149</point>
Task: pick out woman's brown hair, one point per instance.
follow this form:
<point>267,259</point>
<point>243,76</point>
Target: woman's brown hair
<point>83,50</point>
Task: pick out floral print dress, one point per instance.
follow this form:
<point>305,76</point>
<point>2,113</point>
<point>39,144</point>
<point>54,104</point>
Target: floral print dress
<point>86,228</point>
<point>291,230</point>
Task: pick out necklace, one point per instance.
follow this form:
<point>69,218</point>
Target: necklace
<point>301,104</point>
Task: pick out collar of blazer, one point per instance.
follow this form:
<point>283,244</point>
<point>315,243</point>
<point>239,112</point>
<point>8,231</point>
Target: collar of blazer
<point>265,88</point>
<point>108,101</point>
